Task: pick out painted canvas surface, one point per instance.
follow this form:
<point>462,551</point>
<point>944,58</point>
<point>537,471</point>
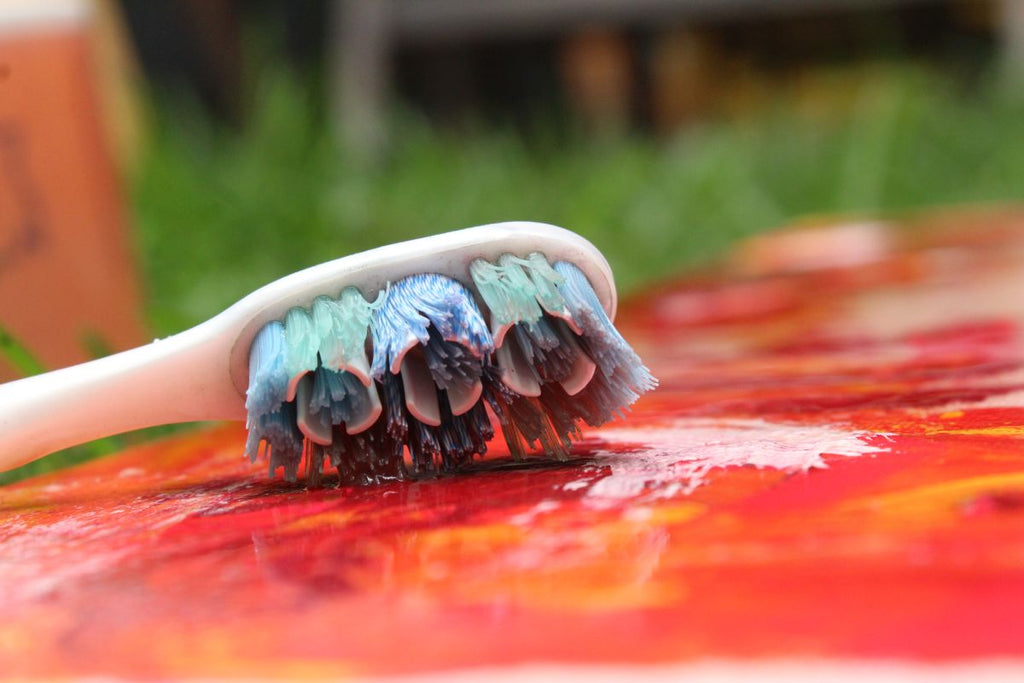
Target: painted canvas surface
<point>831,470</point>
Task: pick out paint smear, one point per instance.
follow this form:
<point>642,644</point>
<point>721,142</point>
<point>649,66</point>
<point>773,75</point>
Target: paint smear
<point>676,458</point>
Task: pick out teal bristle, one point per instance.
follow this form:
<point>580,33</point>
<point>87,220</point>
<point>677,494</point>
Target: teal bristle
<point>507,289</point>
<point>548,283</point>
<point>302,340</point>
<point>331,383</point>
<point>342,326</point>
<point>518,290</point>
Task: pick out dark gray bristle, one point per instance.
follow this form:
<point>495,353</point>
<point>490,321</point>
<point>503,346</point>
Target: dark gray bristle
<point>450,363</point>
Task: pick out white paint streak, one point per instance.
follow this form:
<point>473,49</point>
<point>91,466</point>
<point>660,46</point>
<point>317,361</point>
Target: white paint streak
<point>131,472</point>
<point>527,518</point>
<point>675,458</point>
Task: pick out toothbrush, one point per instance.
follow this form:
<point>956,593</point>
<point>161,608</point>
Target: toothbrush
<point>386,363</point>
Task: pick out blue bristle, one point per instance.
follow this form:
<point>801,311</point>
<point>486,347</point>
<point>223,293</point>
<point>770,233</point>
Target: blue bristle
<point>265,397</point>
<point>412,306</point>
<point>439,315</point>
<point>283,439</point>
<point>613,355</point>
<point>268,378</point>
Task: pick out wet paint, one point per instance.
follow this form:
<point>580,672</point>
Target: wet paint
<point>799,487</point>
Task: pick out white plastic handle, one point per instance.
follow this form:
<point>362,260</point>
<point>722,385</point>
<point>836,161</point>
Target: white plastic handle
<point>178,379</point>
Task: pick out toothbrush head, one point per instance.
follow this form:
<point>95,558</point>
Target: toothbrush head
<point>391,363</point>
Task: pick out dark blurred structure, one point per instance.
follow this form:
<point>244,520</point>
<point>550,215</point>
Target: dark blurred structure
<point>203,45</point>
<point>608,63</point>
<point>68,280</point>
<point>615,63</point>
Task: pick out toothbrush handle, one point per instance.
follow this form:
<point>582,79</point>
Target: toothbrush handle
<point>177,379</point>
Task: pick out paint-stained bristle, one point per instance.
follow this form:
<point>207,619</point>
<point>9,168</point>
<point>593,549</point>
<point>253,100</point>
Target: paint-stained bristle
<point>401,387</point>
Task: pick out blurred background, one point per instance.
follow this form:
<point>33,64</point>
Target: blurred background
<point>159,159</point>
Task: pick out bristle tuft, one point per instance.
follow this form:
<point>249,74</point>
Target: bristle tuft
<point>268,377</point>
<point>416,304</point>
<point>625,372</point>
<point>416,402</point>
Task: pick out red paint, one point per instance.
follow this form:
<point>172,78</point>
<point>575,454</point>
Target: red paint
<point>179,559</point>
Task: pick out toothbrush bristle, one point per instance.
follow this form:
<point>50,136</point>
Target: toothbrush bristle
<point>402,386</point>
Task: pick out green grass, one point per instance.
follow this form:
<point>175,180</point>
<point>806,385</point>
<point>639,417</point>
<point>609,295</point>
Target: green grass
<point>219,213</point>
